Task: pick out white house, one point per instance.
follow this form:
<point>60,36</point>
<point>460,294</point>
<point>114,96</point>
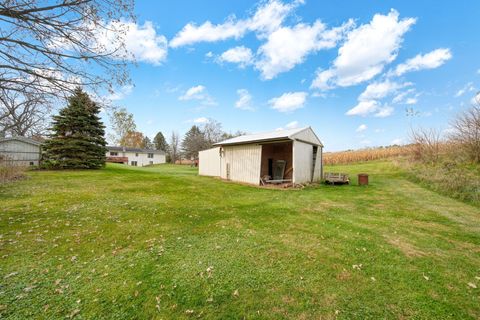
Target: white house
<point>292,156</point>
<point>135,156</point>
<point>20,151</point>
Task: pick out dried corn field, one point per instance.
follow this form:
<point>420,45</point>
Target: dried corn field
<point>353,156</point>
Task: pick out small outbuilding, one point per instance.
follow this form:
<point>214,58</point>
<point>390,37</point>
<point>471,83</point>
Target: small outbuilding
<point>282,156</point>
<point>20,151</point>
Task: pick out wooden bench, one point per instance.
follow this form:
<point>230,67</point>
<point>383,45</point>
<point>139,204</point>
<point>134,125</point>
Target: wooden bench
<point>333,177</point>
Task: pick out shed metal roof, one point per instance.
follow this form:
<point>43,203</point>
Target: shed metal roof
<point>23,139</point>
<point>289,134</point>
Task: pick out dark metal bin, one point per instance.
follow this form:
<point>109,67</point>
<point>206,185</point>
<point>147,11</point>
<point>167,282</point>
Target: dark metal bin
<point>363,179</point>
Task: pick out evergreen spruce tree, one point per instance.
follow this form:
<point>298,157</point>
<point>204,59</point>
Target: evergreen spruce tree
<point>193,142</point>
<point>160,142</point>
<point>77,140</point>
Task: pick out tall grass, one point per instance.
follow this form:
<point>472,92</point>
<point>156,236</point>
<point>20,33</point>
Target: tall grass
<point>10,172</point>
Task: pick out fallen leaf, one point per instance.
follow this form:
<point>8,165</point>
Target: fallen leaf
<point>472,285</point>
<point>74,313</point>
<point>10,275</point>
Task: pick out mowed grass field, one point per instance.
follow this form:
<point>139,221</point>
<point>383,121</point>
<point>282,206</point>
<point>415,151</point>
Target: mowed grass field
<point>164,243</point>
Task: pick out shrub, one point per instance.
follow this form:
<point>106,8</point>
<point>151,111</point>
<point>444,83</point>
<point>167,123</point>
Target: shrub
<point>427,145</point>
<point>466,133</point>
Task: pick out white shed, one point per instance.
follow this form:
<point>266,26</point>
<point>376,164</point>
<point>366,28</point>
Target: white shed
<point>20,151</point>
<point>293,156</point>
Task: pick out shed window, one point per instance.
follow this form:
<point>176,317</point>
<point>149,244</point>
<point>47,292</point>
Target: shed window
<point>150,155</point>
<point>133,163</point>
<point>112,153</point>
<point>136,154</point>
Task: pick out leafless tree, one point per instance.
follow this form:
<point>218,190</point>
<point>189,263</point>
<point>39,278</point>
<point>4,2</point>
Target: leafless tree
<point>212,132</point>
<point>52,47</point>
<point>466,132</point>
<point>426,145</point>
<point>22,113</point>
<point>174,146</point>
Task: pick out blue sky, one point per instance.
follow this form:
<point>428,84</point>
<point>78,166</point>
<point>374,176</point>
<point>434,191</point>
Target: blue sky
<point>349,69</point>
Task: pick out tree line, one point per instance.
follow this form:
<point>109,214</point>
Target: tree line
<point>197,138</point>
<point>76,137</point>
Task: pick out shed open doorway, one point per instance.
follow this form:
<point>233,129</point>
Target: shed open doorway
<point>277,164</point>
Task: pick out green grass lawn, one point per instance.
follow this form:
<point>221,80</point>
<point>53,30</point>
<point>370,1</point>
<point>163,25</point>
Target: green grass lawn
<point>162,242</point>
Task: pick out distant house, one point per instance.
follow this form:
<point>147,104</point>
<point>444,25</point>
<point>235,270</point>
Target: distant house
<point>135,156</point>
<point>20,151</point>
<point>283,156</point>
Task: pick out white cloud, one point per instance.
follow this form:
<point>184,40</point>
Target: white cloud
<point>209,54</point>
<point>379,90</point>
<point>142,41</point>
<point>145,44</point>
<point>208,32</point>
<point>244,101</point>
<point>120,94</point>
<point>431,60</point>
<point>384,112</point>
<point>366,51</point>
<point>241,55</point>
<point>289,101</point>
<point>397,141</point>
<point>399,98</point>
<point>193,93</point>
<point>478,71</point>
<point>361,128</point>
<point>268,17</point>
<point>200,120</point>
<point>288,46</point>
<point>363,108</point>
<point>467,88</point>
<point>411,101</point>
<point>198,93</point>
<point>368,101</point>
<point>292,125</point>
<point>284,47</point>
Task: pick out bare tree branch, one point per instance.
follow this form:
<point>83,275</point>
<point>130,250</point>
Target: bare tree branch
<point>52,47</point>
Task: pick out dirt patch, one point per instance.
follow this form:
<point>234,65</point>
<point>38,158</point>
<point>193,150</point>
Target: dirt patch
<point>405,247</point>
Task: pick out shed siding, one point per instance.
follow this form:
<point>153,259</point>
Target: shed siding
<point>307,135</point>
<point>243,163</point>
<point>209,162</point>
<point>302,162</point>
<point>21,152</point>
